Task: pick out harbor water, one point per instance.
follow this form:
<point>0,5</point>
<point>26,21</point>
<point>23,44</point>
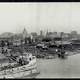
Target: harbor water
<point>59,68</point>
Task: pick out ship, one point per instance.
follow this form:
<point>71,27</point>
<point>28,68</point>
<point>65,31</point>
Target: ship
<point>24,65</point>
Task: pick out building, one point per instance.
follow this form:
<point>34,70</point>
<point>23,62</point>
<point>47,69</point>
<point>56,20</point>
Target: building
<point>66,36</point>
<point>33,36</point>
<point>74,34</point>
<point>51,34</point>
<point>41,33</point>
<point>25,33</point>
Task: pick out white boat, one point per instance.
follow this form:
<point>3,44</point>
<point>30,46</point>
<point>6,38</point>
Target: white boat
<point>19,69</point>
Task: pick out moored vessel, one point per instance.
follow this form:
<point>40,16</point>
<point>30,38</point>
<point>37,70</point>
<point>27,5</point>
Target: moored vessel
<point>25,64</point>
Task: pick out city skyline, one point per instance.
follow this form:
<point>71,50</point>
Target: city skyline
<point>59,17</point>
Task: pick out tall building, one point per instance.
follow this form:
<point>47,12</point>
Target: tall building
<point>74,34</point>
<point>47,33</point>
<point>41,33</point>
<point>33,36</point>
<point>25,34</point>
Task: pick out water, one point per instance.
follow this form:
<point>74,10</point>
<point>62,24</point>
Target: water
<point>59,68</point>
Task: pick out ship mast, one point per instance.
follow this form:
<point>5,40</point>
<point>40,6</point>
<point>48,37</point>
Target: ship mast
<point>61,42</point>
<point>62,48</point>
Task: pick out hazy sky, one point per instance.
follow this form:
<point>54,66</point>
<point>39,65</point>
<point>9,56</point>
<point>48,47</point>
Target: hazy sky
<point>36,16</point>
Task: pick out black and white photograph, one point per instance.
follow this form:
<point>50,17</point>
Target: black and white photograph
<point>39,40</point>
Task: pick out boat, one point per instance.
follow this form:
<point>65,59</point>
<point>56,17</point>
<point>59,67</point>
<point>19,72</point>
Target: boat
<point>61,52</point>
<point>24,65</point>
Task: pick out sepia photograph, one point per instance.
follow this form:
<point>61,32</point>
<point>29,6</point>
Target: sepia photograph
<point>39,40</point>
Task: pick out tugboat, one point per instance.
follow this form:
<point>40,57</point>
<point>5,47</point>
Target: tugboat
<point>24,65</point>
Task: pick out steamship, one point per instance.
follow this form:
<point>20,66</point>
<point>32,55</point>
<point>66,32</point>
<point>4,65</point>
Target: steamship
<point>24,65</point>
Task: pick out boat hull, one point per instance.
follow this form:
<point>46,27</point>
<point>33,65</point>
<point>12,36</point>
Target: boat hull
<point>20,71</point>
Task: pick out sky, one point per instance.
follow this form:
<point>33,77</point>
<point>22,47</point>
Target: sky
<point>54,16</point>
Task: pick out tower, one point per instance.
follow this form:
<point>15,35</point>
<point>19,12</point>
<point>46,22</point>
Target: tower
<point>47,33</point>
<point>24,33</point>
<point>41,33</point>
